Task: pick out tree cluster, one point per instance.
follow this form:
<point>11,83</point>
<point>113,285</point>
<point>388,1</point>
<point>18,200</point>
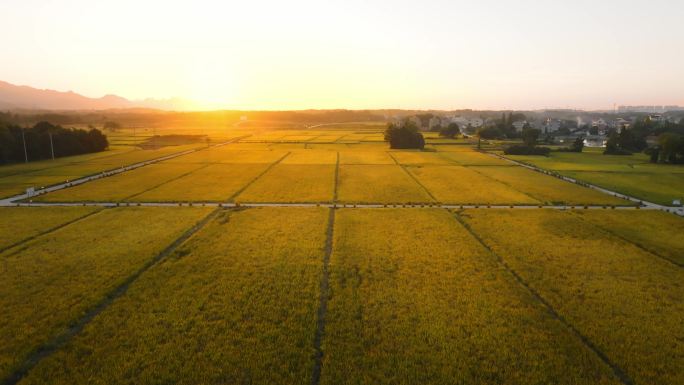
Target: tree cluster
<point>625,143</point>
<point>670,149</point>
<point>65,142</point>
<point>450,131</point>
<point>404,135</point>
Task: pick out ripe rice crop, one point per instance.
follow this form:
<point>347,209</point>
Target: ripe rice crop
<point>365,157</point>
<point>229,154</point>
<point>416,300</point>
<point>216,182</point>
<point>121,186</point>
<point>627,301</point>
<point>473,158</point>
<point>378,184</point>
<point>420,158</point>
<point>51,281</point>
<point>458,184</point>
<point>311,157</point>
<point>292,183</point>
<point>19,223</point>
<point>656,231</point>
<point>548,189</point>
<point>660,188</point>
<point>235,304</point>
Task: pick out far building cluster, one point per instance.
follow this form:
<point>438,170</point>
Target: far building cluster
<point>558,126</point>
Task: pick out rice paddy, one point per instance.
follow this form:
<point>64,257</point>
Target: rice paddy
<point>312,295</point>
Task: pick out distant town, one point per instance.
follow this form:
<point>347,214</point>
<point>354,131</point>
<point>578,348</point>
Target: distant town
<point>556,126</point>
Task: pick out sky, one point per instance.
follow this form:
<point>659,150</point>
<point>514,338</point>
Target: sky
<point>429,54</point>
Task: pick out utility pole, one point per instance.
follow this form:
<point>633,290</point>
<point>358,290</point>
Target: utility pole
<point>52,148</point>
<point>23,138</point>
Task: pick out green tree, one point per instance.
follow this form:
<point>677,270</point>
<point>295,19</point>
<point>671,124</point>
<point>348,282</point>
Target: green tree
<point>450,131</point>
<point>530,136</point>
<point>404,135</point>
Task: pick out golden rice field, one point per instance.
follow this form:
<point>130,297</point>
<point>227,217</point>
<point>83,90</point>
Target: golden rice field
<point>628,301</point>
<point>376,183</point>
<point>292,183</point>
<point>461,185</point>
<point>124,185</point>
<point>215,183</point>
<point>235,304</point>
<point>50,281</point>
<point>445,314</point>
<point>312,295</point>
<point>20,223</point>
<point>548,189</point>
<point>655,231</point>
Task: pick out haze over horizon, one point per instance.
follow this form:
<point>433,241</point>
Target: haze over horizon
<point>352,54</point>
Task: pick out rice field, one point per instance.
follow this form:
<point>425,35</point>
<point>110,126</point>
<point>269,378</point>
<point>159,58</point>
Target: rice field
<point>447,314</point>
<point>626,300</point>
<point>52,280</point>
<point>310,295</point>
<point>546,188</point>
<point>461,185</point>
<point>235,304</point>
<point>628,174</point>
<point>378,184</point>
<point>22,223</point>
<point>292,183</point>
<point>121,186</point>
<point>656,231</point>
<point>215,183</point>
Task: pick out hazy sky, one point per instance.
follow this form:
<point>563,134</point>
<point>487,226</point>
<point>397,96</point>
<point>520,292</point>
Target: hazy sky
<point>352,54</point>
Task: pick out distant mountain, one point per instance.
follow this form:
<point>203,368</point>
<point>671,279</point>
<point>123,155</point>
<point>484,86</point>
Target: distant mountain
<point>24,97</point>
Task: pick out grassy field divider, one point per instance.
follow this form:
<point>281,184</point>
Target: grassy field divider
<point>52,346</point>
<point>323,301</point>
<point>337,177</point>
<point>625,239</point>
<point>617,371</point>
<point>251,182</point>
<point>403,167</point>
<point>48,231</point>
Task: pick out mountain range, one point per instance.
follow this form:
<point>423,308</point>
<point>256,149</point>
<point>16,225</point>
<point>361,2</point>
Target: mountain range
<point>25,97</point>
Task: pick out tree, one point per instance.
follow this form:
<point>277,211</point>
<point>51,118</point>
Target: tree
<point>489,133</point>
<point>111,126</point>
<point>404,135</point>
<point>530,136</point>
<point>593,130</point>
<point>578,144</point>
<point>450,131</point>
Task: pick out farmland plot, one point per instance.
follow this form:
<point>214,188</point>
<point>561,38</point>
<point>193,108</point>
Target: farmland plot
<point>458,184</point>
<point>548,189</point>
<point>292,183</point>
<point>416,300</point>
<point>627,301</point>
<point>236,304</point>
<point>19,223</point>
<point>420,158</point>
<point>378,184</point>
<point>121,186</point>
<point>216,182</point>
<point>311,157</point>
<point>473,158</point>
<point>51,281</point>
<point>230,154</point>
<point>365,157</point>
<point>656,231</point>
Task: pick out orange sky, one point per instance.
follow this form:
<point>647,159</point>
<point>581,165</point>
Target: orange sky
<point>352,54</point>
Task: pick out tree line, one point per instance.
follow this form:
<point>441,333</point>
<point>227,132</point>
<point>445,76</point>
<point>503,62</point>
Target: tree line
<point>45,141</point>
